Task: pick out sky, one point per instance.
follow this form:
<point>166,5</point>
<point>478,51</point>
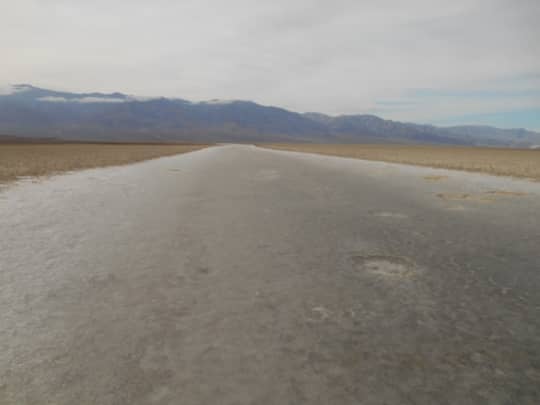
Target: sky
<point>442,62</point>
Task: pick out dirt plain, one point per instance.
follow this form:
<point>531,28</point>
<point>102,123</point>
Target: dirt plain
<point>523,163</point>
<point>19,160</point>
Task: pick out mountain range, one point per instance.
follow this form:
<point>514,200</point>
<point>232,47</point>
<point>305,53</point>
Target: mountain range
<point>28,111</point>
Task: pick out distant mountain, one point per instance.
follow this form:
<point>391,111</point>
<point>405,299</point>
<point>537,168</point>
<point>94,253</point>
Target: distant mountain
<point>494,136</point>
<point>30,111</point>
<point>349,127</point>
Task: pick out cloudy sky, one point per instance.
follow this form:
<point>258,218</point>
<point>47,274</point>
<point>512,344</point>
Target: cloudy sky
<point>443,62</point>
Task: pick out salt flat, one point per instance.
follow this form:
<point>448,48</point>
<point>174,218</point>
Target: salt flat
<point>237,275</point>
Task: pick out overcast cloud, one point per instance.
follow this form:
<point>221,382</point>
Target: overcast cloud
<point>415,60</point>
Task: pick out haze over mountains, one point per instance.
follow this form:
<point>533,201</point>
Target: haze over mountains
<point>28,111</point>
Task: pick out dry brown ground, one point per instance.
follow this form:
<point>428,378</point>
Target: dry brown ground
<point>22,160</point>
<point>505,162</point>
